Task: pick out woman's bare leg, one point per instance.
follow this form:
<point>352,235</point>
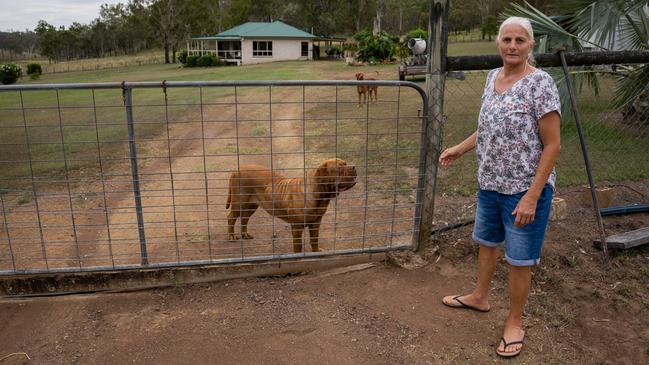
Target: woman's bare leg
<point>478,298</point>
<point>520,278</point>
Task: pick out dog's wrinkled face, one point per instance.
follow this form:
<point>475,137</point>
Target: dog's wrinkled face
<point>339,173</point>
<point>360,76</point>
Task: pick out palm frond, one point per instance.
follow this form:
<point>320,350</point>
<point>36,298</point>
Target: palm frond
<point>540,21</point>
<point>631,83</point>
<point>544,25</point>
<point>607,22</point>
<point>634,30</point>
<point>600,23</point>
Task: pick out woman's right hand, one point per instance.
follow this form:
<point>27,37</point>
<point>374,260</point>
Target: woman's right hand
<point>450,155</point>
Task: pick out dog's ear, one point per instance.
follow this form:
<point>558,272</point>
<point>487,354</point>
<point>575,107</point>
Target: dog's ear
<point>359,76</point>
<point>321,170</point>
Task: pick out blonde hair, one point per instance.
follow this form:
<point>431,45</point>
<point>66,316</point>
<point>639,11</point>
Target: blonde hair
<point>527,26</point>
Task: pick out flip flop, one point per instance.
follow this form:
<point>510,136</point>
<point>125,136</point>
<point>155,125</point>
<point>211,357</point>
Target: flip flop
<point>509,354</point>
<point>462,305</point>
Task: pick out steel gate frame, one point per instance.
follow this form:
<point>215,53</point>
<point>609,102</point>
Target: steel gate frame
<point>127,89</point>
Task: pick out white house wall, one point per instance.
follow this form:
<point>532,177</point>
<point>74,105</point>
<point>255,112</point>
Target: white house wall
<point>283,50</point>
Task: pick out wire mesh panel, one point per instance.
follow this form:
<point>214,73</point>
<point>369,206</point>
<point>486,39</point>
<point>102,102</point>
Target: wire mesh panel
<point>111,176</point>
<point>617,139</point>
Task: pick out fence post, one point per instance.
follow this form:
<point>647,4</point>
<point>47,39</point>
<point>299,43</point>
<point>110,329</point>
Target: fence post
<point>435,78</point>
<point>128,103</point>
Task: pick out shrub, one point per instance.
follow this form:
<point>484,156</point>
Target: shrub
<point>333,51</point>
<point>417,33</point>
<point>206,60</point>
<point>182,56</point>
<point>34,70</point>
<point>402,51</point>
<point>352,47</point>
<point>219,62</point>
<point>374,48</point>
<point>9,73</point>
<point>191,61</point>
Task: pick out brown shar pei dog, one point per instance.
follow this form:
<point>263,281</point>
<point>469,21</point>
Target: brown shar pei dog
<point>367,90</point>
<point>298,201</point>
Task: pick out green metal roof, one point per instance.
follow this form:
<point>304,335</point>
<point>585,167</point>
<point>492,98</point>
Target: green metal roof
<point>276,29</point>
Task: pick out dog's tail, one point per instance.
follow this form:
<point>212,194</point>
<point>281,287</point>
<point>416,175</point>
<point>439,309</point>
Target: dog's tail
<point>377,73</point>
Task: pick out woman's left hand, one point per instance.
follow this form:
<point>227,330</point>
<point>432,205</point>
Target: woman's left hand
<point>525,210</point>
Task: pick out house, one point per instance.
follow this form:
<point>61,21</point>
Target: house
<point>253,42</point>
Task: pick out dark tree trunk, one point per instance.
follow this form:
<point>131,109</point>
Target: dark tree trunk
<point>166,49</point>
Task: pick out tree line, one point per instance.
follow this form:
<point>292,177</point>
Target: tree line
<point>127,28</point>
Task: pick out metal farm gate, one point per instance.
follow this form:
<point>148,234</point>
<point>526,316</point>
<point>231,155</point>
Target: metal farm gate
<point>135,175</point>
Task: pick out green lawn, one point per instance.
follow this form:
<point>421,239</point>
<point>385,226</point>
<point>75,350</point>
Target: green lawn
<point>472,48</point>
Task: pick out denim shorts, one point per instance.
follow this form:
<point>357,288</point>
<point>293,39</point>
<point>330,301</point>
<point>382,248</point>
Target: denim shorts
<point>494,225</point>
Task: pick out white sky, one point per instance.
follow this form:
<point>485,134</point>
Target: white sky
<point>25,14</point>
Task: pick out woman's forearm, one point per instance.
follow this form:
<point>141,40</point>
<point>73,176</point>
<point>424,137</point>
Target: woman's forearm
<point>546,164</point>
<point>469,143</point>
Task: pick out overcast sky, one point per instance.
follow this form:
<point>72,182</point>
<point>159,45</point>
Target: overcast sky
<point>25,14</point>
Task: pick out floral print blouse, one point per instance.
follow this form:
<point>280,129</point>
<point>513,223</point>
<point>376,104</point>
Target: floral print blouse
<point>509,145</point>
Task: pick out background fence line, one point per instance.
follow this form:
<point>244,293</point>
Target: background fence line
<point>108,63</point>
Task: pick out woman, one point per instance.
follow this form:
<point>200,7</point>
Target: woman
<point>517,143</point>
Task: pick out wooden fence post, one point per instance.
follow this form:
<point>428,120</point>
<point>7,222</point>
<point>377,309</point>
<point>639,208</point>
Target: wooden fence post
<point>435,79</point>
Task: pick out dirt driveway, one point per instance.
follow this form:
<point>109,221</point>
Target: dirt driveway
<point>582,310</point>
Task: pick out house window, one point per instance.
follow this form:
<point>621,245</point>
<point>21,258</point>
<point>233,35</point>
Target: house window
<point>262,48</point>
<point>305,49</point>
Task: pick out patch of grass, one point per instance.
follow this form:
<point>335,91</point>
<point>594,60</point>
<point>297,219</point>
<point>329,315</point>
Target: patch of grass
<point>472,48</point>
<point>605,144</point>
<point>260,130</point>
<point>645,271</point>
<point>179,286</point>
<point>555,311</point>
<point>24,198</point>
<point>562,316</point>
<point>193,237</point>
<point>572,261</point>
<point>243,150</point>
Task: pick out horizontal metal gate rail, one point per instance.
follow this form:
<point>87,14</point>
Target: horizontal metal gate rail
<point>36,132</point>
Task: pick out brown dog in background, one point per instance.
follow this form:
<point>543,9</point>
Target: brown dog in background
<point>365,90</point>
<point>299,202</point>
